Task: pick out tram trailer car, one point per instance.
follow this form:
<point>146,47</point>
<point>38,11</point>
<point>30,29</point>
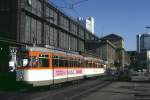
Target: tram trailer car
<point>43,66</point>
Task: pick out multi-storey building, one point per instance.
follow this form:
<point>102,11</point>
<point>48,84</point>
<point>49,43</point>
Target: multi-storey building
<point>127,59</point>
<point>110,48</point>
<point>143,41</point>
<point>107,52</point>
<point>118,42</point>
<point>103,49</point>
<point>143,49</point>
<point>40,22</point>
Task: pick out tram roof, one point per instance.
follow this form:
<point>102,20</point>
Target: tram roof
<point>51,49</point>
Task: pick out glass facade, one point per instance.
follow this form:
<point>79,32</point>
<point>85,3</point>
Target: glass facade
<point>144,42</point>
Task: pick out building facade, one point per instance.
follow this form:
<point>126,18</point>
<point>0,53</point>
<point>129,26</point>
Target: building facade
<point>118,42</point>
<point>127,59</point>
<point>143,42</point>
<point>104,49</point>
<point>108,52</point>
<point>40,22</point>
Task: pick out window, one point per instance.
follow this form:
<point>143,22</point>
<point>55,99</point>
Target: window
<point>66,63</point>
<point>73,28</point>
<point>64,22</point>
<point>81,45</point>
<point>43,61</point>
<point>70,62</point>
<point>55,62</point>
<point>33,30</point>
<point>21,58</point>
<point>78,63</point>
<point>61,62</point>
<point>94,65</point>
<point>75,64</point>
<point>81,33</point>
<point>86,63</point>
<point>33,61</point>
<point>63,40</point>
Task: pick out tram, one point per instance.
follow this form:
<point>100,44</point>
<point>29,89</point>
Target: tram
<point>41,66</point>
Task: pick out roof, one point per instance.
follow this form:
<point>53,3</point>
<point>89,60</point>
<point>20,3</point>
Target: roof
<point>112,37</point>
<point>99,43</point>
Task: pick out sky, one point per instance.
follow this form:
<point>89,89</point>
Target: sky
<point>126,18</point>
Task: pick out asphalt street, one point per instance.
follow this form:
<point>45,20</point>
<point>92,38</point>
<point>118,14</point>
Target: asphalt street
<point>102,88</point>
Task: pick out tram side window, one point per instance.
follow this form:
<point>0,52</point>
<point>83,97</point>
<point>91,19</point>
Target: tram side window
<point>94,64</point>
<point>55,62</point>
<point>78,63</point>
<point>97,65</point>
<point>90,65</point>
<point>66,63</point>
<point>61,62</point>
<point>72,63</point>
<point>86,64</point>
<point>33,61</point>
<point>43,61</point>
<point>75,63</point>
<point>69,63</point>
<point>21,59</point>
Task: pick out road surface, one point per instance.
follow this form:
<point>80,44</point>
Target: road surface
<point>93,89</point>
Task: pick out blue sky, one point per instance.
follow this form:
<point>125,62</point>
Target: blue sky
<point>126,18</point>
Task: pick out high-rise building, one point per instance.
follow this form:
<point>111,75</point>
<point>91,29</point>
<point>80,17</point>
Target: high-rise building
<point>138,42</point>
<point>143,42</point>
<point>88,23</point>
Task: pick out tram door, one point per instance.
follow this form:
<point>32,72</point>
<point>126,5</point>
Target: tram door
<point>59,69</point>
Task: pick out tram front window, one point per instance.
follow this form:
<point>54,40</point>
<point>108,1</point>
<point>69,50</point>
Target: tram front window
<point>22,61</point>
<point>25,61</point>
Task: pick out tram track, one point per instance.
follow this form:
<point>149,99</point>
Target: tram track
<point>63,93</point>
<point>74,92</point>
<point>82,94</point>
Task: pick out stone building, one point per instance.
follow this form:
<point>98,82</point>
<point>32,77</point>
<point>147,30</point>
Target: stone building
<point>104,49</point>
<point>127,59</point>
<point>118,42</point>
<point>41,23</point>
<point>107,52</point>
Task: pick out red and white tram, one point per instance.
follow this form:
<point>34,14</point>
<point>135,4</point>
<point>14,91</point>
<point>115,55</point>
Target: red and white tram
<point>44,66</point>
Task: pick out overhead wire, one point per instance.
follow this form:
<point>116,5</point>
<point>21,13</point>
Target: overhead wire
<point>72,6</point>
